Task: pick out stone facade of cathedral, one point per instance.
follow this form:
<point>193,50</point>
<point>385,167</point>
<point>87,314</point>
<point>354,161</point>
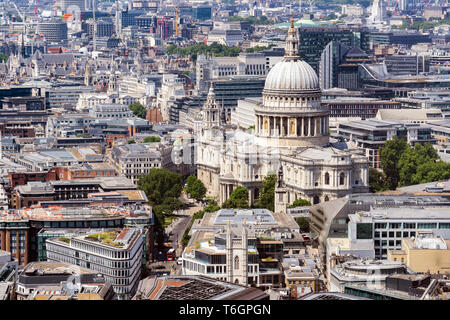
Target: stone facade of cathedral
<point>291,132</point>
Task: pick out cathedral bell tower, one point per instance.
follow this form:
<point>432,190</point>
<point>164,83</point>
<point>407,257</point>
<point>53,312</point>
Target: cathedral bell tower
<point>211,112</point>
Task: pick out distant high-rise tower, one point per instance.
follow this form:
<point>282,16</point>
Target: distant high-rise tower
<point>378,11</point>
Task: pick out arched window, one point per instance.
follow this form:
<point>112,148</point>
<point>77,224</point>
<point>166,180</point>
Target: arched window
<point>327,178</point>
<point>236,262</point>
<point>326,198</point>
<point>342,178</point>
<point>316,199</point>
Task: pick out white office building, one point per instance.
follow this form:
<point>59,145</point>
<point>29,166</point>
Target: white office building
<point>111,111</point>
<point>116,255</point>
<point>244,114</point>
<point>388,226</point>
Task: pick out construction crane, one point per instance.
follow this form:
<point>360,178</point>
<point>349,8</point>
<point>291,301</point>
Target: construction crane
<point>177,28</point>
<point>36,5</point>
<point>396,9</point>
<point>20,13</point>
<point>427,3</point>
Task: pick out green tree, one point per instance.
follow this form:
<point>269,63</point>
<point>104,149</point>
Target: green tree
<point>267,196</point>
<point>4,58</point>
<point>331,16</point>
<point>258,48</point>
<point>300,203</point>
<point>160,184</point>
<point>390,155</point>
<point>377,180</point>
<point>212,206</point>
<point>162,188</point>
<point>263,20</point>
<point>138,109</point>
<point>189,182</point>
<point>193,51</point>
<point>194,188</point>
<point>83,135</point>
<point>303,223</point>
<point>152,139</point>
<point>421,164</point>
<point>238,198</point>
<point>432,171</point>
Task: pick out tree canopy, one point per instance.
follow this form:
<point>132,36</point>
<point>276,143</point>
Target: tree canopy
<point>4,57</point>
<point>404,165</point>
<point>162,188</point>
<point>303,223</point>
<point>195,188</point>
<point>267,194</point>
<point>259,48</point>
<point>238,198</point>
<point>253,20</point>
<point>390,155</point>
<point>421,164</point>
<point>138,110</point>
<point>300,203</point>
<point>152,139</point>
<point>219,50</point>
<point>377,180</point>
<point>423,25</point>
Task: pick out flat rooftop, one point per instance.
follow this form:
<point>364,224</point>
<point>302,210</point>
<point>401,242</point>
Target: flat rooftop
<point>238,216</point>
<point>194,288</point>
<point>443,185</point>
<point>331,296</point>
<point>402,213</point>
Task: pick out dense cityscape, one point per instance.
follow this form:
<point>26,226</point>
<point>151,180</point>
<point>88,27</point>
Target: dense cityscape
<point>224,150</point>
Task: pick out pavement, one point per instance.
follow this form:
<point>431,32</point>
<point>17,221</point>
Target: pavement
<point>176,230</point>
<point>179,226</point>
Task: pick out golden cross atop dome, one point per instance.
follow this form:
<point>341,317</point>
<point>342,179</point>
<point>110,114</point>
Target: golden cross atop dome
<point>292,20</point>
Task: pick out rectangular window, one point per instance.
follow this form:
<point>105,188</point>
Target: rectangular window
<point>380,225</point>
<point>427,226</point>
<point>364,231</point>
<point>409,225</point>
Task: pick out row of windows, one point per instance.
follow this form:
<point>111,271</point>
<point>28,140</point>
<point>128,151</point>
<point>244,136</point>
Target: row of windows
<point>394,234</point>
<point>413,225</point>
<point>83,224</point>
<point>391,243</point>
<point>197,267</point>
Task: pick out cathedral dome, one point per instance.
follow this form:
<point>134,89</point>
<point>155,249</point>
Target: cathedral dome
<point>292,75</point>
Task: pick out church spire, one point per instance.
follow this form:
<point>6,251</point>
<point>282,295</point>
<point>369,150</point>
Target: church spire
<point>292,42</point>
